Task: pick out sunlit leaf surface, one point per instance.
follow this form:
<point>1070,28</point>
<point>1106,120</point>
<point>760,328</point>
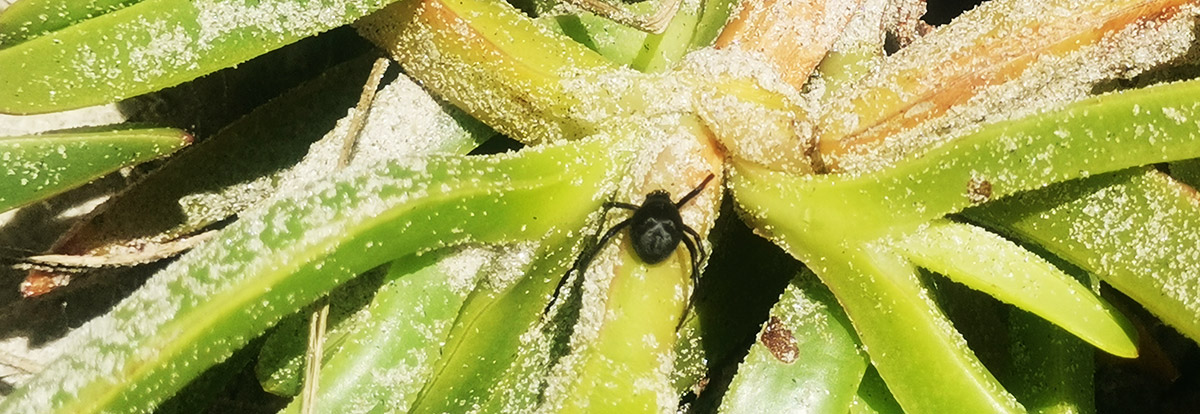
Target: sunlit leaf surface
<point>39,166</point>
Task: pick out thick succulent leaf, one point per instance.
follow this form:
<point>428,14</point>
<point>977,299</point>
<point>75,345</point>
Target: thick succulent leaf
<point>806,359</point>
<point>623,349</point>
<point>155,44</point>
<point>404,121</point>
<point>1136,230</point>
<point>250,159</point>
<point>496,355</point>
<point>907,336</point>
<point>1102,134</point>
<point>222,175</point>
<point>743,279</point>
<point>498,65</point>
<point>1004,60</point>
<point>901,328</point>
<point>873,396</point>
<point>391,350</point>
<point>1051,369</point>
<point>988,263</point>
<point>26,19</point>
<point>903,331</point>
<point>856,52</point>
<point>1186,171</point>
<point>263,267</point>
<point>616,42</point>
<point>695,25</point>
<point>279,366</point>
<point>39,166</point>
<point>619,356</point>
<point>823,220</point>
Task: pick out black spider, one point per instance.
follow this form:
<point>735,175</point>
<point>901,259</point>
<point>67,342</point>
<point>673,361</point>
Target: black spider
<point>655,231</point>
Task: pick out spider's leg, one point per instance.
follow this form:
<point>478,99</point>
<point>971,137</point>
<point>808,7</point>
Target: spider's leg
<point>584,259</point>
<point>694,192</point>
<point>619,204</point>
<point>699,245</point>
<point>695,274</point>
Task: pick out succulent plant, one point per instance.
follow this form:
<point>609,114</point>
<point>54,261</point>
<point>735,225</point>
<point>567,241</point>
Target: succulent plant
<point>1025,166</point>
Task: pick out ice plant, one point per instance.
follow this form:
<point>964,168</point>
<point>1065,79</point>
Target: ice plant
<point>873,171</point>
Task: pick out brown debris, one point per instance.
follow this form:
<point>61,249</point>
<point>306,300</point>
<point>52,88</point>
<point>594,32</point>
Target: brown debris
<point>979,190</point>
<point>779,340</point>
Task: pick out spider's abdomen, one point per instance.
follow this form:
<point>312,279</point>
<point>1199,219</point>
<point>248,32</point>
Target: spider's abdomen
<point>654,239</point>
<point>656,228</point>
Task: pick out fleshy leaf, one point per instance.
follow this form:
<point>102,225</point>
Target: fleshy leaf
<point>622,352</point>
<point>155,44</point>
<point>27,19</point>
<point>279,367</point>
<point>1001,61</point>
<point>263,267</point>
<point>1051,369</point>
<point>695,25</point>
<point>806,359</point>
<point>1102,134</point>
<point>873,396</point>
<point>393,347</point>
<point>248,160</point>
<point>495,355</point>
<point>507,71</point>
<point>221,176</point>
<point>1136,230</point>
<point>626,330</point>
<point>903,331</point>
<point>984,261</point>
<point>39,166</point>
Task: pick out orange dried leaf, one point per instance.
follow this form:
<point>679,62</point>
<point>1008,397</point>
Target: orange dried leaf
<point>1000,61</point>
<point>793,35</point>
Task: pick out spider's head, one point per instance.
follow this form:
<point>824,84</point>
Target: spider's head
<point>658,195</point>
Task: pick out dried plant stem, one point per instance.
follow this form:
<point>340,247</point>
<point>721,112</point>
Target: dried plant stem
<point>320,317</point>
<point>312,360</point>
<point>360,110</point>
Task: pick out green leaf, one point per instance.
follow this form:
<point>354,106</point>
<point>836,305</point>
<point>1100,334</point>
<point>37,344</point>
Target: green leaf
<point>873,396</point>
<point>248,160</point>
<point>806,358</point>
<point>622,344</point>
<point>744,278</point>
<point>1134,229</point>
<point>27,19</point>
<point>986,262</point>
<point>222,175</point>
<point>908,337</point>
<point>392,348</point>
<point>497,355</point>
<point>1052,370</point>
<point>278,259</point>
<point>695,25</point>
<point>903,331</point>
<point>155,44</point>
<point>518,77</point>
<point>39,166</point>
<point>279,367</point>
<point>1093,136</point>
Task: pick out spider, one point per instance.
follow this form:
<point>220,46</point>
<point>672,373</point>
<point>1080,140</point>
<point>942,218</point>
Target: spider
<point>655,230</point>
